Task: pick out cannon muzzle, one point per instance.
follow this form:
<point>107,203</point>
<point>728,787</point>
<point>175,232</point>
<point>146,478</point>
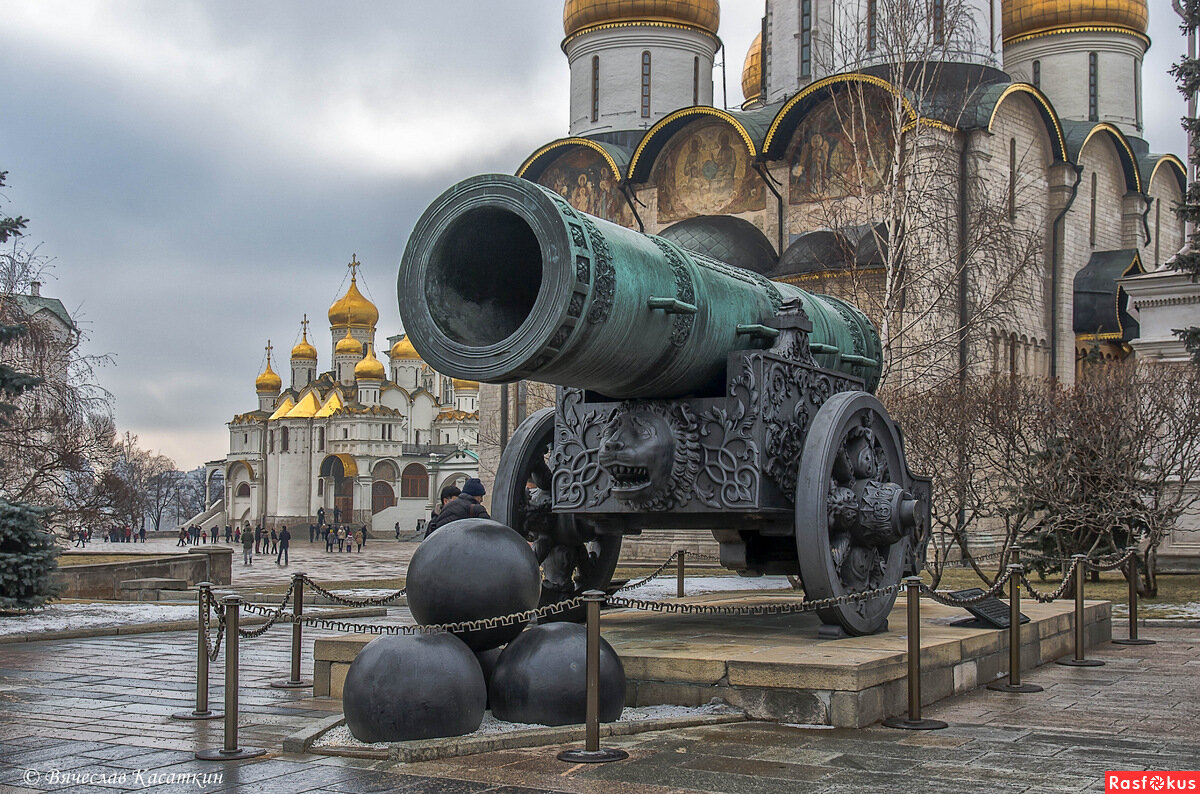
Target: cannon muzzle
<point>503,280</point>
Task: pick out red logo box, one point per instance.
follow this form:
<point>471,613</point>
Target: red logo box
<point>1151,781</point>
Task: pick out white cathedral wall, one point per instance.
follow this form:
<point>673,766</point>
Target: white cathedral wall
<point>672,79</point>
<point>1166,228</point>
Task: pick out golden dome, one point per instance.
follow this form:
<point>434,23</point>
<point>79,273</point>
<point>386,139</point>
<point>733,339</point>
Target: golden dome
<point>403,349</point>
<point>369,368</point>
<point>348,345</point>
<point>580,14</point>
<point>353,308</point>
<point>268,381</point>
<point>465,385</point>
<point>1022,17</point>
<point>304,350</point>
<point>752,71</point>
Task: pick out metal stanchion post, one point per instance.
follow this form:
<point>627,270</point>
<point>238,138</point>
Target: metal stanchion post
<point>1080,577</point>
<point>231,751</point>
<point>1132,573</point>
<point>592,752</point>
<point>202,711</point>
<point>295,682</point>
<point>680,572</point>
<point>1014,637</point>
<point>913,721</point>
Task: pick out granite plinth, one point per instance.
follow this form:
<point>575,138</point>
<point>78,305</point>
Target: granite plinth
<point>776,667</point>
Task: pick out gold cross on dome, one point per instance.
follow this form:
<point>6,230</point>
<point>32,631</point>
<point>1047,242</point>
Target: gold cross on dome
<point>354,266</point>
<point>269,349</point>
<point>304,325</point>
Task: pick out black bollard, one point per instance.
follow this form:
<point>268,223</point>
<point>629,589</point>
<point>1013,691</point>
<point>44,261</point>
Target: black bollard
<point>1131,573</point>
<point>1080,577</point>
<point>295,682</point>
<point>231,751</point>
<point>202,711</point>
<point>592,752</point>
<point>913,721</point>
<point>680,572</point>
<point>1014,637</point>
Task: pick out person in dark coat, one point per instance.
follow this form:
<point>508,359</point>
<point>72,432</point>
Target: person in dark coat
<point>465,505</point>
<point>285,538</point>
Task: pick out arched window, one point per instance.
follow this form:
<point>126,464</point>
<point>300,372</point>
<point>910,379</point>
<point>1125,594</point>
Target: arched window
<point>283,439</point>
<point>1092,233</point>
<point>595,88</point>
<point>646,84</point>
<point>243,490</point>
<point>270,441</point>
<point>1157,229</point>
<point>320,486</point>
<point>321,439</point>
<point>1012,179</point>
<point>696,81</point>
<point>939,22</point>
<point>1037,75</point>
<point>805,38</point>
<point>1093,88</point>
<point>414,483</point>
<point>1137,93</point>
<point>872,24</point>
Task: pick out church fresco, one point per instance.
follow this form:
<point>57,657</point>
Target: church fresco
<point>840,150</point>
<point>583,178</point>
<point>705,170</point>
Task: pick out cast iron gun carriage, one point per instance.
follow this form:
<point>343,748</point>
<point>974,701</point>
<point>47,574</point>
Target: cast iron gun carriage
<point>691,395</point>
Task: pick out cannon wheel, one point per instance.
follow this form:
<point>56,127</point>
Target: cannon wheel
<point>569,549</point>
<point>831,563</point>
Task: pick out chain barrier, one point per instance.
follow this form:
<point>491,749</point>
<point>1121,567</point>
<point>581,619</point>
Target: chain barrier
<point>1046,598</point>
<point>213,649</point>
<point>370,601</point>
<point>658,572</point>
<point>962,563</point>
<point>675,608</point>
<point>953,601</point>
<point>1096,565</point>
<point>273,615</point>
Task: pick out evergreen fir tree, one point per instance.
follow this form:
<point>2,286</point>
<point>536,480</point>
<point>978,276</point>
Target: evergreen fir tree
<point>28,553</point>
<point>1187,74</point>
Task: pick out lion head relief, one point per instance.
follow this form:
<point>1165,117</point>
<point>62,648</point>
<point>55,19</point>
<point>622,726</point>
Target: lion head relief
<point>651,452</point>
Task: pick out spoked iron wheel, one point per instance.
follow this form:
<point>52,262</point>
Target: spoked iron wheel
<point>573,555</point>
<point>855,516</point>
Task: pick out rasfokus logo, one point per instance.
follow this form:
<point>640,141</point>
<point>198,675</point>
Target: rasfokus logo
<point>1151,781</point>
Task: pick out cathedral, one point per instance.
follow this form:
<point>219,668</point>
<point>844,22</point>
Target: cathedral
<point>973,174</point>
<point>359,443</point>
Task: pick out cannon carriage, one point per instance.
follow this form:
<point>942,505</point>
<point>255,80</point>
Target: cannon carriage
<point>691,395</point>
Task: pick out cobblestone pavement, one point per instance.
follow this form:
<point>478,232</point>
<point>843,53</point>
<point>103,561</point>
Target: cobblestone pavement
<point>381,558</point>
<point>99,707</point>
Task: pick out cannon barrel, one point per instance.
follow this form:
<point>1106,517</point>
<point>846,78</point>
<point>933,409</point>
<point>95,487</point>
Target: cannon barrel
<point>503,280</point>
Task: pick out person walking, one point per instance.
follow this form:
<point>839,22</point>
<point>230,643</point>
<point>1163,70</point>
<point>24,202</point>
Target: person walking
<point>257,539</point>
<point>397,530</point>
<point>465,505</point>
<point>361,537</point>
<point>341,537</point>
<point>228,533</point>
<point>214,534</point>
<point>142,534</point>
<point>237,534</point>
<point>247,547</point>
<point>329,538</point>
<point>321,516</point>
<point>274,542</point>
<point>182,541</point>
<point>285,538</point>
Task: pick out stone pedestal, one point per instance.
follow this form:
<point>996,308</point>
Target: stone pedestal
<point>220,562</point>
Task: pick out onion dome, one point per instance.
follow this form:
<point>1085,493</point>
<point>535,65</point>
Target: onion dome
<point>403,349</point>
<point>348,345</point>
<point>268,381</point>
<point>465,385</point>
<point>304,351</point>
<point>581,14</point>
<point>752,72</point>
<point>353,309</point>
<point>1023,17</point>
<point>369,368</point>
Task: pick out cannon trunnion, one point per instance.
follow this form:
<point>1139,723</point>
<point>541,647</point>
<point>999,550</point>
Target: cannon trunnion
<point>691,395</point>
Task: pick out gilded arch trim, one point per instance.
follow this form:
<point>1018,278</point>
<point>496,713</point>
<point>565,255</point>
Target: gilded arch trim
<point>1180,171</point>
<point>230,468</point>
<point>770,144</point>
<point>540,157</point>
<point>349,467</point>
<point>670,123</point>
<point>1045,110</point>
<point>1133,179</point>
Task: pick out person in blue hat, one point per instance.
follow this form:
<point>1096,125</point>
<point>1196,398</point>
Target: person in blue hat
<point>465,505</point>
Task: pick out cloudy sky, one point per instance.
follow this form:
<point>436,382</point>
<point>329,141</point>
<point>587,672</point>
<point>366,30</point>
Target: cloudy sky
<point>200,171</point>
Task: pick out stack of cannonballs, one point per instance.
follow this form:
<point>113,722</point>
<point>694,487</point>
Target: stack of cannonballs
<point>423,686</point>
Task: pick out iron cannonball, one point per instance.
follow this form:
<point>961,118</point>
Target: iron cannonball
<point>471,569</point>
<point>541,678</point>
<point>418,686</point>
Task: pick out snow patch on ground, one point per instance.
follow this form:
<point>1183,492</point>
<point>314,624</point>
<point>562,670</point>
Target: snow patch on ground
<point>662,587</point>
<point>1159,611</point>
<point>68,617</point>
<point>341,736</point>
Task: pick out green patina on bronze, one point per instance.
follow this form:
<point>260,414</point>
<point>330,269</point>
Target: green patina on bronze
<point>503,280</point>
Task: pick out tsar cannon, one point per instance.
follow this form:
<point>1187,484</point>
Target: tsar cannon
<point>691,395</point>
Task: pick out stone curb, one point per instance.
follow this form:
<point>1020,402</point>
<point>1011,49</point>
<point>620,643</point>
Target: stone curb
<point>1160,623</point>
<point>452,746</point>
<point>169,625</point>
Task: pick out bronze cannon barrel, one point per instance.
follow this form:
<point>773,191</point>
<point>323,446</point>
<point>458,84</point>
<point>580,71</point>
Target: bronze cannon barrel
<point>503,280</point>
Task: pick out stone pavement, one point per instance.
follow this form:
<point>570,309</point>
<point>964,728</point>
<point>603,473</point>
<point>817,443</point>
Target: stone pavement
<point>381,558</point>
<point>98,707</point>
